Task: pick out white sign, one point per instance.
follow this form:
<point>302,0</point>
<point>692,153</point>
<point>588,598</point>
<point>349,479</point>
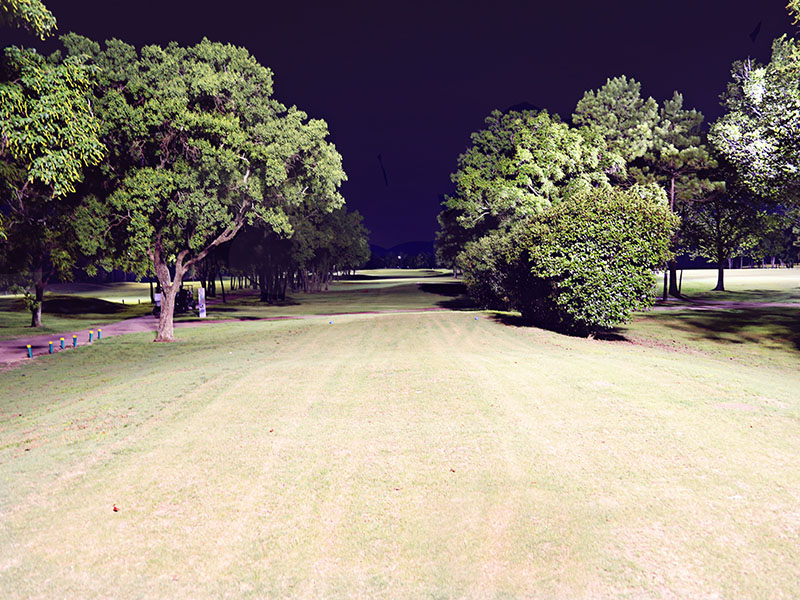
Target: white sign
<point>201,302</point>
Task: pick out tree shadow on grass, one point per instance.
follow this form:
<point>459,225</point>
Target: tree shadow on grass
<point>515,320</point>
<point>67,306</point>
<point>456,293</point>
<point>767,325</point>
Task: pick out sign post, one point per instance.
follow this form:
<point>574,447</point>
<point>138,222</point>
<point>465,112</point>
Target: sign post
<point>201,302</point>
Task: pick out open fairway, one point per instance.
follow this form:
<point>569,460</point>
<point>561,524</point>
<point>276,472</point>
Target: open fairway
<point>401,455</point>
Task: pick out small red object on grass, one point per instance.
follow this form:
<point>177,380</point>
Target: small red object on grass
<point>115,509</point>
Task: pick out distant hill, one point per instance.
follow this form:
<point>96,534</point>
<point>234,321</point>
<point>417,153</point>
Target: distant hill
<point>407,248</point>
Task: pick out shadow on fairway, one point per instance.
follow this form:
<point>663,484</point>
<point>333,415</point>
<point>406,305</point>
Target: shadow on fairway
<point>455,291</point>
<point>67,306</point>
<point>512,320</point>
<point>768,325</point>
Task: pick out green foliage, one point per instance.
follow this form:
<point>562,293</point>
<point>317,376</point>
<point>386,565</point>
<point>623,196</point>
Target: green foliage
<point>794,10</point>
<point>48,136</point>
<point>197,148</point>
<point>518,166</point>
<point>620,115</point>
<point>49,133</point>
<point>587,263</point>
<point>724,225</point>
<point>679,156</point>
<point>31,15</point>
<point>760,133</point>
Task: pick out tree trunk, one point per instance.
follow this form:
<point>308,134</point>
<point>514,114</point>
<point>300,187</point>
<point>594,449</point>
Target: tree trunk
<point>169,290</point>
<point>666,279</point>
<point>36,311</point>
<point>222,286</point>
<point>720,277</point>
<point>673,279</point>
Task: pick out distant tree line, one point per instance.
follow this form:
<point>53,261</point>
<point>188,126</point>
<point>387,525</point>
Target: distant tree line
<point>566,222</point>
<point>156,160</point>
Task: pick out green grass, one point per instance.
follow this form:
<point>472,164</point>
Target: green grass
<point>62,313</point>
<point>743,285</point>
<point>403,455</point>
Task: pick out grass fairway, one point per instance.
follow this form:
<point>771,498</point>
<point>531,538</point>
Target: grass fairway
<point>406,455</point>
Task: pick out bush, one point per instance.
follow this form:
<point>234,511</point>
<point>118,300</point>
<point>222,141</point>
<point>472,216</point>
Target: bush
<point>587,263</point>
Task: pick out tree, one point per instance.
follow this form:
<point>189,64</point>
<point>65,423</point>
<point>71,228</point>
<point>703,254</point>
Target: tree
<point>197,148</point>
<point>31,15</point>
<point>721,226</point>
<point>663,145</point>
<point>680,161</point>
<point>760,133</point>
<point>48,136</point>
<point>518,166</point>
<point>585,264</point>
<point>619,113</point>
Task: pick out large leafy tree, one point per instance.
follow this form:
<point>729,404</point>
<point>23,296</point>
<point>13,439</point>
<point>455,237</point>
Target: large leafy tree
<point>197,147</point>
<point>48,134</point>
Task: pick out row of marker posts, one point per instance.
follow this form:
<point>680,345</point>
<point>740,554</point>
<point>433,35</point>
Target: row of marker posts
<point>61,341</point>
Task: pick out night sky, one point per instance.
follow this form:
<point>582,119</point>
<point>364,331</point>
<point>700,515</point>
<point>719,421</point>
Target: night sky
<point>410,81</point>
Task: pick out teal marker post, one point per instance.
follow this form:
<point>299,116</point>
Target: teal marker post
<point>30,352</point>
<point>74,341</point>
<point>62,343</point>
<point>99,334</point>
<point>51,347</point>
<point>91,335</point>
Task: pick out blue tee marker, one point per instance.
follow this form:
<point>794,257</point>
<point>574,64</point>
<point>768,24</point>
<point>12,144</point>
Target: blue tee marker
<point>330,322</point>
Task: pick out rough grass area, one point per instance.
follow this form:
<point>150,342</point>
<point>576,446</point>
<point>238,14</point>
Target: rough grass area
<point>62,313</point>
<point>391,456</point>
<point>742,285</point>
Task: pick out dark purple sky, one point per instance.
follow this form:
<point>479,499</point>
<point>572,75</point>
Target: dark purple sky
<point>412,80</point>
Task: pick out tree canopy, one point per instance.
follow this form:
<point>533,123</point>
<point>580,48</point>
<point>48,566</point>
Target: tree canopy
<point>619,114</point>
<point>48,135</point>
<point>31,15</point>
<point>760,133</point>
<point>197,147</point>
